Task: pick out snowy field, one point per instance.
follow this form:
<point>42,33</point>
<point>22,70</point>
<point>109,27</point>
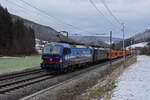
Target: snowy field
<point>134,83</point>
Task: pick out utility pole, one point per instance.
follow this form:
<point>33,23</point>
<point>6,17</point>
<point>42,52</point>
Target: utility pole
<point>131,45</point>
<point>123,27</point>
<point>110,48</point>
<point>67,35</point>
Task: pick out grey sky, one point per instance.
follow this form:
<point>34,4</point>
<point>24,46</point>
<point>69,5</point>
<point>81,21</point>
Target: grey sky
<point>134,13</point>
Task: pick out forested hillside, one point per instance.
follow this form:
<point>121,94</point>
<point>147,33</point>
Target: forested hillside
<point>15,37</point>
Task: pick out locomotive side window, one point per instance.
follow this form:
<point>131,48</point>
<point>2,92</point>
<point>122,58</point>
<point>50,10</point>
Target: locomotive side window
<point>50,49</point>
<point>69,51</point>
<point>66,51</point>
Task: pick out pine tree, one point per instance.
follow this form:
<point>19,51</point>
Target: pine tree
<point>5,30</point>
<point>15,37</point>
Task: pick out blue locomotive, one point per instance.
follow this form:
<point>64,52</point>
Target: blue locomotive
<point>61,56</point>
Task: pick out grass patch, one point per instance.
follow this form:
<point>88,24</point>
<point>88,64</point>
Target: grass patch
<point>147,54</point>
<point>19,63</point>
<point>101,90</point>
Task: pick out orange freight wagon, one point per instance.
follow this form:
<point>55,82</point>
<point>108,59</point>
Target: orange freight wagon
<point>113,54</point>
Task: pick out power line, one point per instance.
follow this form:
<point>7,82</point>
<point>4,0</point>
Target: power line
<point>27,10</point>
<point>105,5</point>
<point>48,15</point>
<point>60,21</point>
<point>101,12</point>
<point>17,5</point>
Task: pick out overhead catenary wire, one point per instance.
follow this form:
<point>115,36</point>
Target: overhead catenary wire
<point>25,10</point>
<point>51,16</point>
<point>17,4</point>
<point>60,21</point>
<point>101,13</point>
<point>14,4</point>
<point>108,9</point>
<point>123,27</point>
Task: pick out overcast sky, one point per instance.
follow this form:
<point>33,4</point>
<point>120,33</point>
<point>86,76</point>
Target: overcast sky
<point>83,16</point>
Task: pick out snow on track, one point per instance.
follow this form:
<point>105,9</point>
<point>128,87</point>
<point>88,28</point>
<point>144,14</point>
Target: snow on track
<point>134,83</point>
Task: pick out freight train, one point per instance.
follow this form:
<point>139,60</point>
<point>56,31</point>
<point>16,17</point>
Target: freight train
<point>62,56</point>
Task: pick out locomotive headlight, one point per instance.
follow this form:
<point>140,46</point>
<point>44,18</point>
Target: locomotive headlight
<point>60,60</point>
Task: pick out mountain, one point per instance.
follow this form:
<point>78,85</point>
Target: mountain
<point>101,38</point>
<point>42,32</point>
<point>142,36</point>
<point>107,39</point>
<point>137,38</point>
<point>90,40</point>
<point>47,33</point>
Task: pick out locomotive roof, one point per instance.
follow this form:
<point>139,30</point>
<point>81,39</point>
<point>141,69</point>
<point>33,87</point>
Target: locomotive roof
<point>79,46</point>
<point>68,45</point>
<point>100,48</point>
<point>56,43</point>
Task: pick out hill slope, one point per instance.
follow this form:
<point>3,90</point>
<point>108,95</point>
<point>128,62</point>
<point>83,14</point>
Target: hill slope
<point>142,36</point>
<point>49,34</point>
<point>43,32</point>
<point>89,40</point>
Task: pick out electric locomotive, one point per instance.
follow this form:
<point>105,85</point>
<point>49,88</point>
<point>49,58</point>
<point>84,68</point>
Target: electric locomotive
<point>61,56</point>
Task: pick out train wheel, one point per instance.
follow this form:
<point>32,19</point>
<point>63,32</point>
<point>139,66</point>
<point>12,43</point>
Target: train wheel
<point>42,66</point>
<point>71,68</point>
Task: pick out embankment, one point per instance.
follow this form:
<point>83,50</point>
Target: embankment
<point>86,86</point>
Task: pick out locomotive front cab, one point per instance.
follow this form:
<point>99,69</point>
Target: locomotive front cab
<point>55,56</point>
<point>51,56</point>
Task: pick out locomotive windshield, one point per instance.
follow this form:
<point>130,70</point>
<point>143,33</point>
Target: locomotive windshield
<point>51,50</point>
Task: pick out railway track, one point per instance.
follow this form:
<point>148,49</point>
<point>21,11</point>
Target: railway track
<point>16,84</point>
<point>22,79</point>
<point>71,77</point>
<point>36,80</point>
<point>19,74</point>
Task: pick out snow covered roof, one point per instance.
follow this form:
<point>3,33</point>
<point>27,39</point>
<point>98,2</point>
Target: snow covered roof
<point>138,45</point>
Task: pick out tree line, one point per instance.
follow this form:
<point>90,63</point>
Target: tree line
<point>119,45</point>
<point>15,37</point>
<point>146,49</point>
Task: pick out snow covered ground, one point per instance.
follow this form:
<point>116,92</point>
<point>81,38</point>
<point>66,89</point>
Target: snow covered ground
<point>134,83</point>
<point>139,45</point>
